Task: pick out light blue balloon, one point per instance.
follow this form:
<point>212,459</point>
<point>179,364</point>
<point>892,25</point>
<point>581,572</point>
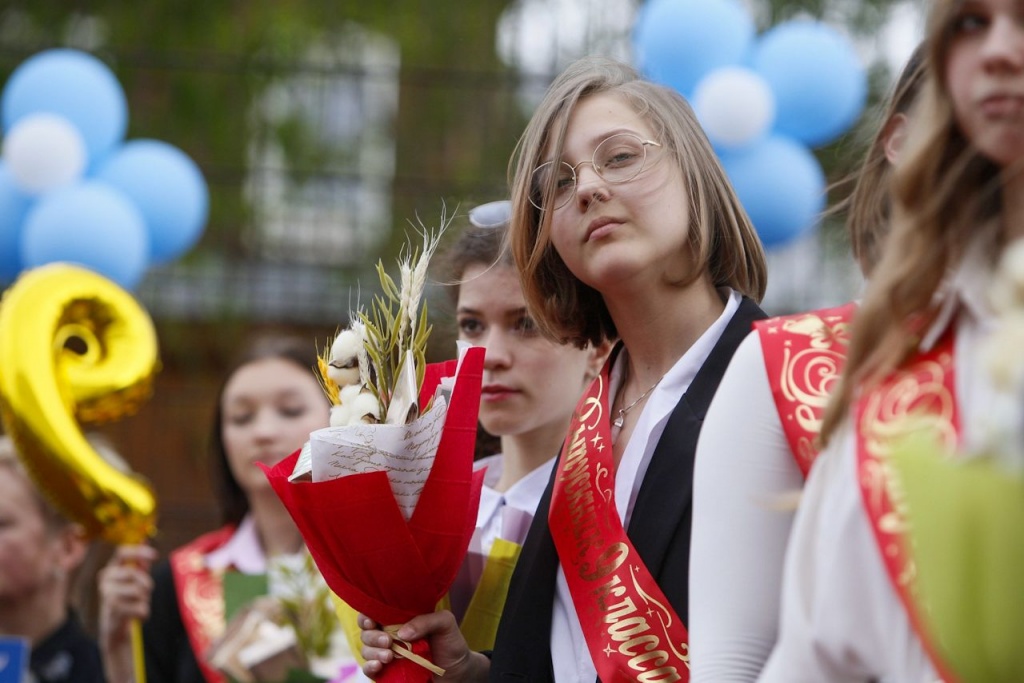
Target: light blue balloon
<point>14,204</point>
<point>74,85</point>
<point>169,190</point>
<point>781,185</point>
<point>819,82</point>
<point>677,42</point>
<point>91,224</point>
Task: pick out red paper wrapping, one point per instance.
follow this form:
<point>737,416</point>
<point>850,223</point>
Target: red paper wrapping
<point>370,556</point>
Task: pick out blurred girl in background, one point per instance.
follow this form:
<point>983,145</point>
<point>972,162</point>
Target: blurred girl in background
<point>266,409</point>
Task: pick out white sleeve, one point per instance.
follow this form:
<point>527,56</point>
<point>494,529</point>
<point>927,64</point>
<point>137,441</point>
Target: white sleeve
<point>841,620</point>
<point>744,468</point>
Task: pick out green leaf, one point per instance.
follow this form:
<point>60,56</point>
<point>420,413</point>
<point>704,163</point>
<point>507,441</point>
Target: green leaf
<point>967,537</point>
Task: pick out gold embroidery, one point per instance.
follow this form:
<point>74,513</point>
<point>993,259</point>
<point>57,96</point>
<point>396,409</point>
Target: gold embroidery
<point>204,599</point>
<point>809,374</point>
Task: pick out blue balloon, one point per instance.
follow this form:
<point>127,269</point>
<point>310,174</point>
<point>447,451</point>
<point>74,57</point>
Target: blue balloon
<point>819,82</point>
<point>168,187</point>
<point>781,185</point>
<point>14,204</point>
<point>677,42</point>
<point>91,224</point>
<point>74,85</point>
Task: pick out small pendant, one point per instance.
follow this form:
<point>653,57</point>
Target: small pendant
<point>619,420</point>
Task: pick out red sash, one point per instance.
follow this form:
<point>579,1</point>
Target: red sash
<point>633,634</point>
<point>201,595</point>
<point>804,355</point>
<point>918,396</point>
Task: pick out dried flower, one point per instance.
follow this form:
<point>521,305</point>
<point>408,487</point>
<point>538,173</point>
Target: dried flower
<point>379,341</point>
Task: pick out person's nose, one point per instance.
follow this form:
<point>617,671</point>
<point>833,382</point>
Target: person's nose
<point>590,185</point>
<point>1004,44</point>
<point>265,426</point>
<point>498,350</point>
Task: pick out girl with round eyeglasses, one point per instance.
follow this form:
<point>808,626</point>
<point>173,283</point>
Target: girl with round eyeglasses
<point>624,227</point>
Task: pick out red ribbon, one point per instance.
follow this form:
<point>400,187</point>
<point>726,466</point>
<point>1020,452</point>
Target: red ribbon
<point>922,389</point>
<point>631,630</point>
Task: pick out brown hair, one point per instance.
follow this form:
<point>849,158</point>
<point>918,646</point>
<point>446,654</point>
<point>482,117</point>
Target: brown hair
<point>724,244</point>
<point>945,196</point>
<point>475,246</point>
<point>869,205</point>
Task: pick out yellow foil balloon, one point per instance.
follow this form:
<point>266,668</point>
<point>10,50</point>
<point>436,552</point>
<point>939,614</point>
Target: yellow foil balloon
<point>77,349</point>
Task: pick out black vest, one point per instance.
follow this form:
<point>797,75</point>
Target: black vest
<point>659,527</point>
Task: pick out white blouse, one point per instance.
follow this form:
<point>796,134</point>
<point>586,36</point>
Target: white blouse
<point>744,481</point>
<point>841,619</point>
<point>508,515</point>
<point>570,655</point>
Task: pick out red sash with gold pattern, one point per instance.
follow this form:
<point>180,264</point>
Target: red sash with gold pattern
<point>201,595</point>
<point>804,355</point>
<point>918,396</point>
<point>632,632</point>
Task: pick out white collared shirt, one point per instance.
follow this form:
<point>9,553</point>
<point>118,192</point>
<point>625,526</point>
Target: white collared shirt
<point>507,514</point>
<point>243,552</point>
<point>570,655</point>
<point>841,619</point>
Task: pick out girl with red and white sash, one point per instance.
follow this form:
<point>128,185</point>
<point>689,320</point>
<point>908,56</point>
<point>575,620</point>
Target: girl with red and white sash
<point>850,611</point>
<point>746,476</point>
<point>269,403</point>
<point>625,227</point>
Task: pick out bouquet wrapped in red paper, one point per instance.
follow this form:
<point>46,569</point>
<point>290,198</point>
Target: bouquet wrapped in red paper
<point>387,506</point>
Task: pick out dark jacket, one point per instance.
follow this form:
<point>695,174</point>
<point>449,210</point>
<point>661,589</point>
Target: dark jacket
<point>659,527</point>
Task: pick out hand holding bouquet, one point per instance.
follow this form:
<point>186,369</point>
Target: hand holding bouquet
<point>387,505</point>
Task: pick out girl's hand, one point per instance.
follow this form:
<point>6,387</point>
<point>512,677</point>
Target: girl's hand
<point>448,648</point>
<point>125,588</point>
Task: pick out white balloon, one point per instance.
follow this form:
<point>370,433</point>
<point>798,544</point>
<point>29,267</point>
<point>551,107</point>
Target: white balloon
<point>44,152</point>
<point>735,105</point>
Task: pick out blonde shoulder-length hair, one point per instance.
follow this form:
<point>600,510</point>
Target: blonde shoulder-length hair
<point>945,196</point>
<point>722,240</point>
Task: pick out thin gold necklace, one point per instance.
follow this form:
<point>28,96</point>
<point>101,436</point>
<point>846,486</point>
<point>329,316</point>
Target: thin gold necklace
<point>621,419</point>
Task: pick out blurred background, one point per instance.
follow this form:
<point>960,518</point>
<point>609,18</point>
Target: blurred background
<point>324,129</point>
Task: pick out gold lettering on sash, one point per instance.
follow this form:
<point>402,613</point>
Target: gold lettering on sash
<point>626,628</point>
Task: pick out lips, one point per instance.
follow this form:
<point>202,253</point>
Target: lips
<point>1001,105</point>
<point>496,392</point>
<point>599,227</point>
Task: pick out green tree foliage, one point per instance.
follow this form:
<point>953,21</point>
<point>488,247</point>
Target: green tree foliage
<point>195,69</point>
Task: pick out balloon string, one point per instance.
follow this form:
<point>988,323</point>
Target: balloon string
<point>138,654</point>
<point>403,648</point>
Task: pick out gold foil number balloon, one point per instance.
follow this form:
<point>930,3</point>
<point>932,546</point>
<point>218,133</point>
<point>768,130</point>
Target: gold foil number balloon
<point>77,349</point>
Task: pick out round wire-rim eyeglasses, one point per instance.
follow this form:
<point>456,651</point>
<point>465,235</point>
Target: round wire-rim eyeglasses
<point>618,159</point>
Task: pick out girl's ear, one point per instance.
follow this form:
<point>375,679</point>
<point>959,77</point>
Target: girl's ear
<point>596,356</point>
<point>71,546</point>
<point>895,135</point>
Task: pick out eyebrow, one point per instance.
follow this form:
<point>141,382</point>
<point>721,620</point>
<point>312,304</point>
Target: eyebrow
<point>472,311</point>
<point>598,139</point>
<point>595,140</point>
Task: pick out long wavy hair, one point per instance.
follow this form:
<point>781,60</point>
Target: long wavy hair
<point>946,195</point>
<point>869,207</point>
<point>722,243</point>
